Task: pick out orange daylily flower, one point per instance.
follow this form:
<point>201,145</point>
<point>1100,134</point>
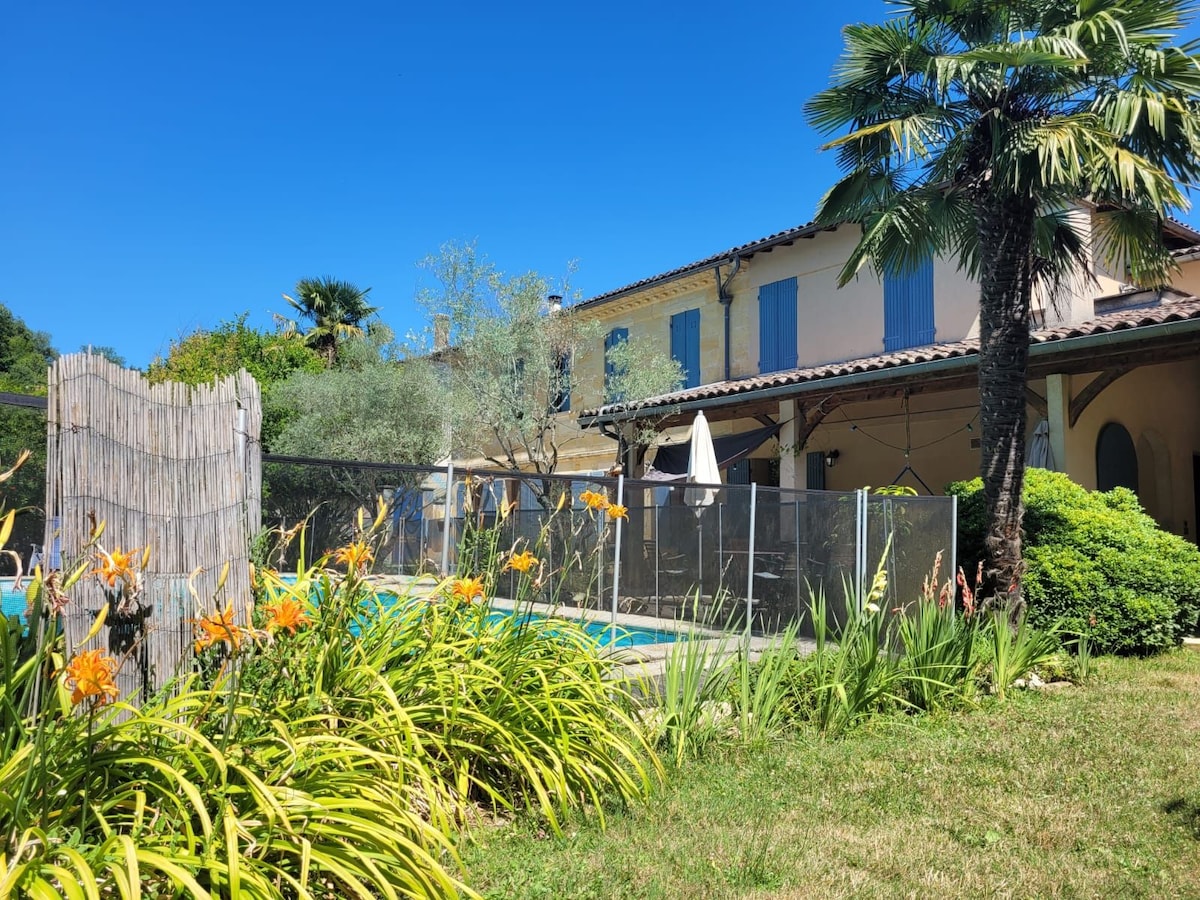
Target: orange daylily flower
<point>594,500</point>
<point>467,589</point>
<point>617,511</point>
<point>521,562</point>
<point>219,628</point>
<point>356,556</point>
<point>286,612</point>
<point>115,565</point>
<point>90,676</point>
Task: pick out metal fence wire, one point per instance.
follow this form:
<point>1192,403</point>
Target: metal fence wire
<point>721,556</point>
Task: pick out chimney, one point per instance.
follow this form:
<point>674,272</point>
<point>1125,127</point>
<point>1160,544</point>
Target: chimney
<point>441,332</point>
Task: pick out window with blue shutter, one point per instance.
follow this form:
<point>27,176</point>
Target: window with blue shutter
<point>685,345</point>
<point>562,395</point>
<point>612,339</point>
<point>777,326</point>
<point>908,308</point>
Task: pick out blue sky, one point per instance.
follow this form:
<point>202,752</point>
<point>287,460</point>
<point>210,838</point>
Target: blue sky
<point>166,166</point>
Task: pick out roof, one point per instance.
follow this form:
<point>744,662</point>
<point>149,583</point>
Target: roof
<point>743,251</point>
<point>1125,320</point>
<point>1185,234</point>
<point>1179,234</point>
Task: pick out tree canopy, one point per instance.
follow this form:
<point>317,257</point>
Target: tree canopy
<point>972,128</point>
<point>24,356</point>
<point>209,354</point>
<point>511,360</point>
<point>335,310</point>
<point>374,405</point>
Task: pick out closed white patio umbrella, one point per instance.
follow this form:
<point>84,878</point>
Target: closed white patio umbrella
<point>702,466</point>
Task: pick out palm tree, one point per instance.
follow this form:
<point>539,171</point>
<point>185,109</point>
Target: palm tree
<point>336,310</point>
<point>971,129</point>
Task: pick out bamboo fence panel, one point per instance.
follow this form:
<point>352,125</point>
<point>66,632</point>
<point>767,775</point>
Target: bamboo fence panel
<point>169,466</point>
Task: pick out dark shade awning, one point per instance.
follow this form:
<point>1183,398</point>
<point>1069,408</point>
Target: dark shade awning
<point>672,460</point>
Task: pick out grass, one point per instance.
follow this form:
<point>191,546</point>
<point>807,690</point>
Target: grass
<point>1091,791</point>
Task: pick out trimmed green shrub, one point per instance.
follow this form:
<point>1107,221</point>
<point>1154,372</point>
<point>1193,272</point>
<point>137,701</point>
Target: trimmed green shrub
<point>1096,564</point>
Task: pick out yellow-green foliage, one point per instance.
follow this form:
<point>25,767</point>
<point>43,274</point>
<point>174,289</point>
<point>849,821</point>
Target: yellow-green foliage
<point>331,748</point>
<point>1096,564</point>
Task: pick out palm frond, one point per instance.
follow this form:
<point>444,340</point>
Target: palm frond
<point>1061,254</point>
<point>1131,237</point>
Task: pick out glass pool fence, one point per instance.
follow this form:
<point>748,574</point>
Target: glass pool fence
<point>724,557</point>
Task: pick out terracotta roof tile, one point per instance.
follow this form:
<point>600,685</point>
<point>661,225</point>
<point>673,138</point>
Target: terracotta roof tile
<point>1123,320</point>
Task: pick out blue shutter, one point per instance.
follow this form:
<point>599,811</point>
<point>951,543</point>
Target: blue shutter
<point>614,337</point>
<point>768,328</point>
<point>692,323</point>
<point>777,326</point>
<point>685,345</point>
<point>908,308</point>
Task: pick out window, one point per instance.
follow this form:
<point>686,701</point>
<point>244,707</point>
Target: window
<point>1116,459</point>
<point>562,384</point>
<point>685,345</point>
<point>908,308</point>
<point>777,326</point>
<point>611,340</point>
<point>814,468</point>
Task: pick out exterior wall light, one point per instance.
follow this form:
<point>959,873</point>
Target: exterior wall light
<point>831,458</point>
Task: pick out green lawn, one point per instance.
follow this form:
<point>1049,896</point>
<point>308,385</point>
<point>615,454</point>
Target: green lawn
<point>1087,792</point>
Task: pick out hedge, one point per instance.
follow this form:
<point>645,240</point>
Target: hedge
<point>1095,562</point>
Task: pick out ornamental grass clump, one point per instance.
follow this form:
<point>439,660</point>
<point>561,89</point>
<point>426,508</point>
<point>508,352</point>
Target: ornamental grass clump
<point>853,674</point>
<point>942,646</point>
<point>929,655</point>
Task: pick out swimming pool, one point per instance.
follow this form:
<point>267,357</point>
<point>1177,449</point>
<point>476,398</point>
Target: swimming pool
<point>12,603</point>
<point>603,632</point>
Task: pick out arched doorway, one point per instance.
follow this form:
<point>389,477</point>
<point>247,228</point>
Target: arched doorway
<point>1154,477</point>
<point>1116,459</point>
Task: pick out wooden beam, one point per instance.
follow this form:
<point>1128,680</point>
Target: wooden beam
<point>813,416</point>
<point>1129,356</point>
<point>1123,359</point>
<point>1037,401</point>
<point>1093,390</point>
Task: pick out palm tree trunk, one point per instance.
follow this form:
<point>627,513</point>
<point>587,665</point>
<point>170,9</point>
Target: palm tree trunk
<point>1005,237</point>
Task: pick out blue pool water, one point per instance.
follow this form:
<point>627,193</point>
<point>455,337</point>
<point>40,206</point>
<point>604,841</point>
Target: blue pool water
<point>623,636</point>
<point>12,603</point>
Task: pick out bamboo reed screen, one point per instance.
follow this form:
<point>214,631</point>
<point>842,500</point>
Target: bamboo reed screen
<point>171,466</point>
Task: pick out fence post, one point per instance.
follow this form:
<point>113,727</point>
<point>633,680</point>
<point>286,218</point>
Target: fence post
<point>616,583</point>
<point>953,536</point>
<point>860,542</point>
<point>750,561</point>
<point>446,521</point>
